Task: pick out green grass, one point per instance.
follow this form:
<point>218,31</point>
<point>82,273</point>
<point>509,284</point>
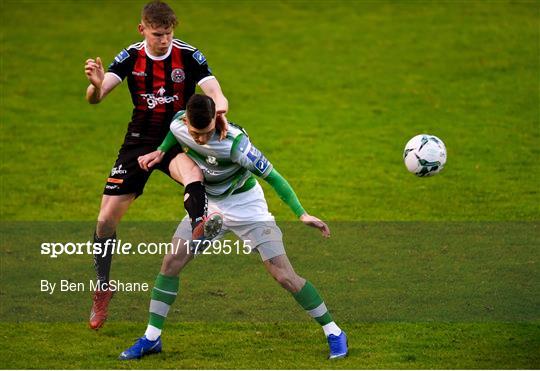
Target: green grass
<point>367,272</point>
<point>422,273</point>
<point>277,346</point>
<point>410,295</point>
<point>330,91</point>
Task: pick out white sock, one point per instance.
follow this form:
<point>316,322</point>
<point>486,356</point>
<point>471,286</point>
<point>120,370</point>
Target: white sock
<point>152,333</point>
<point>331,328</point>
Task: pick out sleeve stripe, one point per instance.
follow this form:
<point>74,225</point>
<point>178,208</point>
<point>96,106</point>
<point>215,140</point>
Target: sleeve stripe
<point>203,80</point>
<point>137,46</point>
<point>183,45</point>
<point>115,75</point>
<point>236,141</point>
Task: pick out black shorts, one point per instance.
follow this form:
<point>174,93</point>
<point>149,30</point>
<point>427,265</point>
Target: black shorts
<point>127,177</point>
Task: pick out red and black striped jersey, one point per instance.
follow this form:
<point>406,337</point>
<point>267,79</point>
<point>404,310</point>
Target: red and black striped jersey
<point>159,86</point>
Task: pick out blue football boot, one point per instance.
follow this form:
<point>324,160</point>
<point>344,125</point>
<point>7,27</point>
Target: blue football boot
<point>339,347</point>
<point>142,347</point>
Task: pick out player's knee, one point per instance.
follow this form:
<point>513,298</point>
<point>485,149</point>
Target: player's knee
<point>184,170</point>
<point>194,174</point>
<point>108,220</point>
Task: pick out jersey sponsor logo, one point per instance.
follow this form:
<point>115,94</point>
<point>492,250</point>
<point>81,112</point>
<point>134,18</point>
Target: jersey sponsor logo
<point>258,159</point>
<point>137,73</point>
<point>199,57</point>
<point>211,160</point>
<point>117,170</point>
<point>262,164</point>
<point>122,56</point>
<point>112,186</point>
<point>253,154</point>
<point>178,75</point>
<point>152,100</point>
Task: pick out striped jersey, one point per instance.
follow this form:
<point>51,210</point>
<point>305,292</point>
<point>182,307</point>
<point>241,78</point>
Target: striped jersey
<point>160,86</point>
<point>227,165</point>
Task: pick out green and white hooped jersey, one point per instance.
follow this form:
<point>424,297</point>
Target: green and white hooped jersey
<point>227,165</point>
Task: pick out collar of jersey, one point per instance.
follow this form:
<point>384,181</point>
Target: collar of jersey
<point>160,58</point>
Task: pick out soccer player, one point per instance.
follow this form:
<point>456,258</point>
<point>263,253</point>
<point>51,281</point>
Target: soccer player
<point>228,167</point>
<point>162,74</point>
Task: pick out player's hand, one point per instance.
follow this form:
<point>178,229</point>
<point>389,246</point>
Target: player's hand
<point>150,159</point>
<point>94,71</point>
<point>222,124</point>
<point>312,221</point>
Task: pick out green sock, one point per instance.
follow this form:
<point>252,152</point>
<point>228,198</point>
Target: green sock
<point>311,301</point>
<point>163,295</point>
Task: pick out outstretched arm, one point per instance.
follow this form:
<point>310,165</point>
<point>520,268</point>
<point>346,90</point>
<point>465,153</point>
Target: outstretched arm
<point>286,193</point>
<point>249,157</point>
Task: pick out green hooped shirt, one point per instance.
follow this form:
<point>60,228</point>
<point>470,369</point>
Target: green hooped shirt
<point>228,165</point>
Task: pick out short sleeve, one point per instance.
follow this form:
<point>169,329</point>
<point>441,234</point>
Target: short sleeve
<point>122,64</point>
<point>198,66</point>
<point>244,153</point>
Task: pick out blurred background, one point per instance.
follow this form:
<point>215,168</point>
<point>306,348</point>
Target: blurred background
<point>437,273</point>
<point>330,90</point>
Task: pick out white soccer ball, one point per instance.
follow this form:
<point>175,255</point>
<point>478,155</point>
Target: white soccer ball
<point>424,155</point>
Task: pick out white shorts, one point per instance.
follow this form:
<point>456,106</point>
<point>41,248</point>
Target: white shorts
<point>246,215</point>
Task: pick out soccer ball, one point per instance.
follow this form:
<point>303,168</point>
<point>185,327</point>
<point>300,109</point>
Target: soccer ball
<point>424,155</point>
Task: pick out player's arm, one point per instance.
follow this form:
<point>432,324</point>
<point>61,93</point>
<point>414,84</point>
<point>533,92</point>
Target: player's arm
<point>285,192</point>
<point>245,154</point>
<point>211,88</point>
<point>199,69</point>
<point>101,83</point>
<point>287,195</point>
<point>155,157</point>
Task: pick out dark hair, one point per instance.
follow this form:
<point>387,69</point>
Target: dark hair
<point>158,14</point>
<point>201,109</point>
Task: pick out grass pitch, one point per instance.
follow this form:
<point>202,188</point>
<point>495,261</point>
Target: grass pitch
<point>466,297</point>
<point>282,346</point>
<point>331,92</point>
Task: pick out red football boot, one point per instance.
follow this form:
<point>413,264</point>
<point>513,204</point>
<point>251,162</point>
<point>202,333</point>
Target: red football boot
<point>206,230</point>
<point>98,315</point>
